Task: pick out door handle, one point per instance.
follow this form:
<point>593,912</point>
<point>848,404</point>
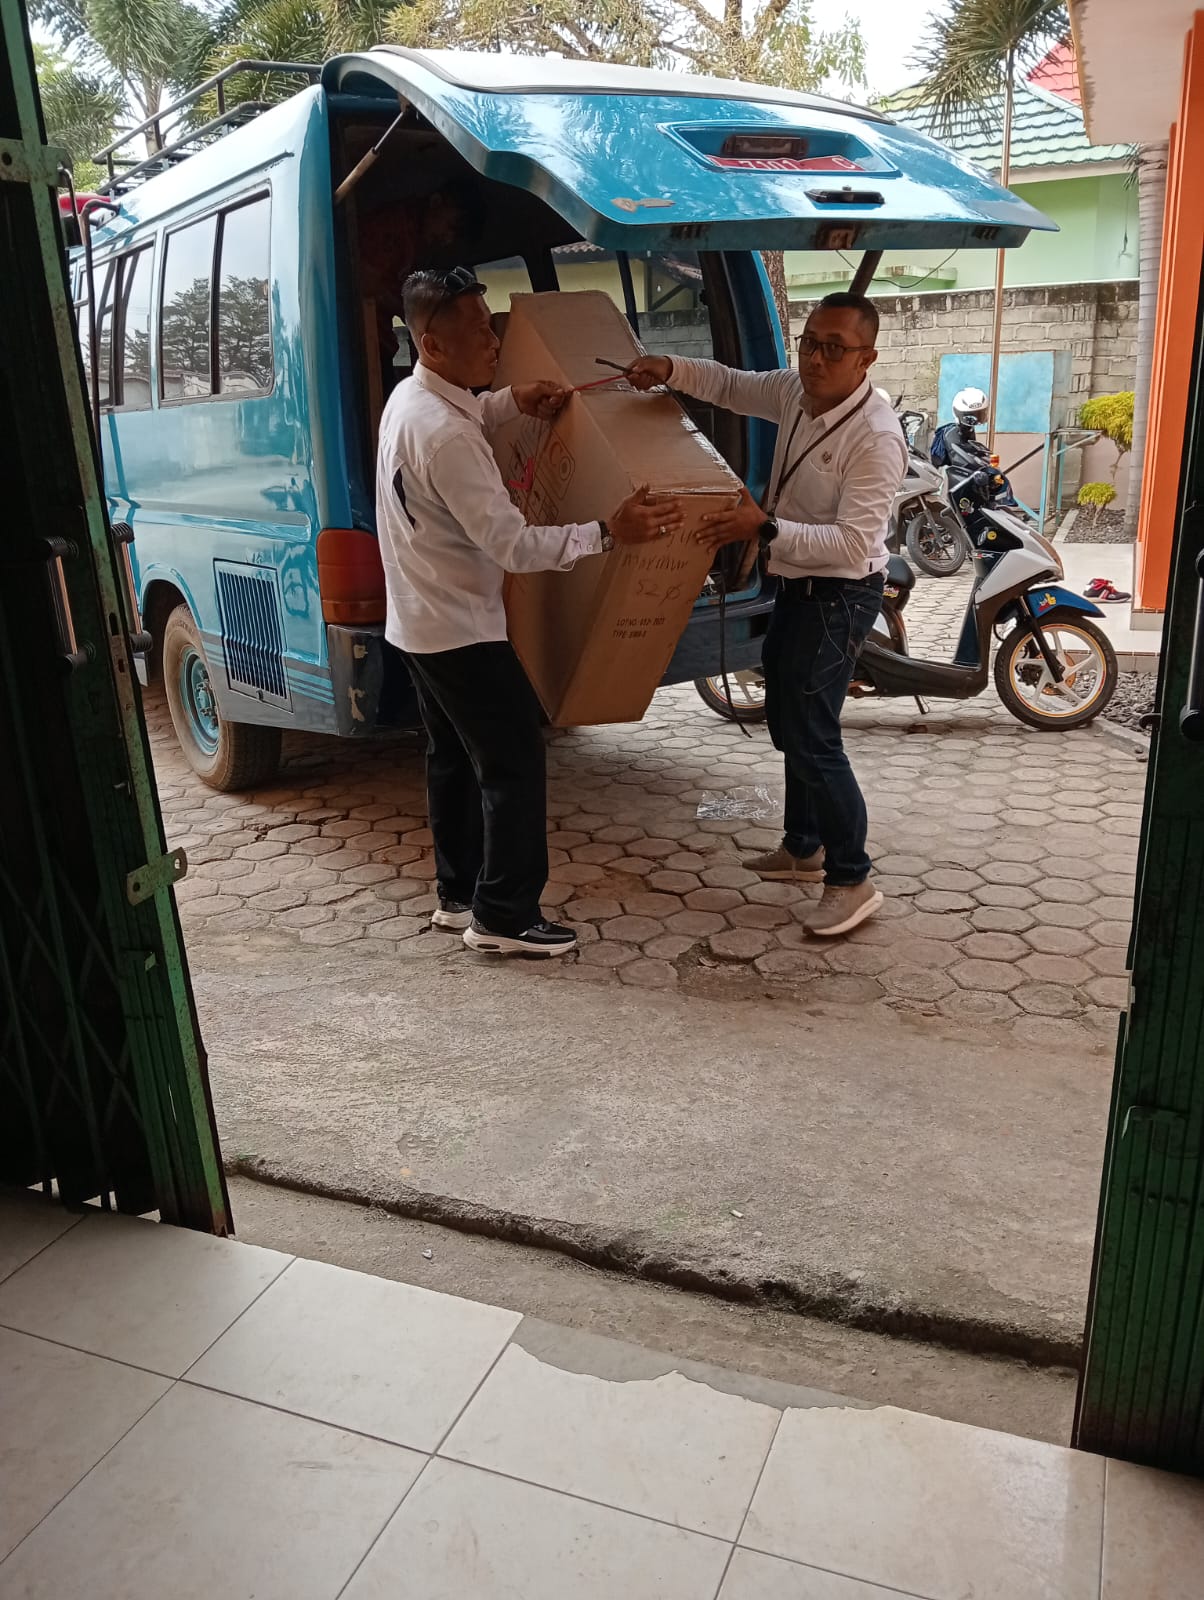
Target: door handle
<point>1191,718</point>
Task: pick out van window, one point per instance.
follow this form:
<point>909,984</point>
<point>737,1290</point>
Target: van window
<point>670,308</point>
<point>105,278</point>
<point>135,392</point>
<point>184,325</point>
<point>83,328</point>
<point>244,311</point>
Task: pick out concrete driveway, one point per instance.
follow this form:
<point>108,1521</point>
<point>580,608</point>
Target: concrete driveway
<point>905,1125</point>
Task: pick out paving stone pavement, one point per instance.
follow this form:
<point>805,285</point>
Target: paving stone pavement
<point>1007,857</point>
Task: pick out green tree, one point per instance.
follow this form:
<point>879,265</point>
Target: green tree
<point>970,66</point>
<point>81,110</point>
<point>767,41</point>
<point>140,48</point>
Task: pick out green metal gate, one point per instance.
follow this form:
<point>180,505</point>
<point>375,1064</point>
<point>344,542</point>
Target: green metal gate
<point>1142,1390</point>
<point>103,1088</point>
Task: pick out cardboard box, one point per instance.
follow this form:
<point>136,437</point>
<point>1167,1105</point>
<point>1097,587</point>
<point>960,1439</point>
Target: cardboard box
<point>595,642</point>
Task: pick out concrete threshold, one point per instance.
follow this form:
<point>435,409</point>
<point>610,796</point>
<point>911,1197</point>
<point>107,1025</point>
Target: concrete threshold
<point>867,1307</point>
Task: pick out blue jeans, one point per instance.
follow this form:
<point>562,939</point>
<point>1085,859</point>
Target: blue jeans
<point>818,627</point>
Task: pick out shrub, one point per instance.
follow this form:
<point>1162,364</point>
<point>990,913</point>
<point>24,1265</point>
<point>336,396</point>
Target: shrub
<point>1111,415</point>
<point>1097,496</point>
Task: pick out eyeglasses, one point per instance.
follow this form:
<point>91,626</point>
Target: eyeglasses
<point>831,349</point>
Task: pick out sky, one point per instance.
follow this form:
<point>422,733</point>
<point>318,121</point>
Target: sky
<point>891,28</point>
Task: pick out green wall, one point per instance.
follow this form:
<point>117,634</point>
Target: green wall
<point>1098,241</point>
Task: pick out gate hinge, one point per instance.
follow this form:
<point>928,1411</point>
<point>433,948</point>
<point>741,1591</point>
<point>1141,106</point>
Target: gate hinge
<point>31,163</point>
<point>147,880</point>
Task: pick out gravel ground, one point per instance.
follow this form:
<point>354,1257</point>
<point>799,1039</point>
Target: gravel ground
<point>1134,697</point>
<point>1109,528</point>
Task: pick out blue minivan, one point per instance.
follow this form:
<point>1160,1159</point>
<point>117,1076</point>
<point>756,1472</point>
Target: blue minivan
<point>238,291</point>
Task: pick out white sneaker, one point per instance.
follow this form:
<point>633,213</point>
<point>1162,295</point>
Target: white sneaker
<point>540,939</point>
<point>452,916</point>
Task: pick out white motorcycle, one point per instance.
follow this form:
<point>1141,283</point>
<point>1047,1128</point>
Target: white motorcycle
<point>922,521</point>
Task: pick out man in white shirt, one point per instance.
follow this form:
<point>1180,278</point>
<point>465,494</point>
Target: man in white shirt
<point>839,461</point>
<point>448,535</point>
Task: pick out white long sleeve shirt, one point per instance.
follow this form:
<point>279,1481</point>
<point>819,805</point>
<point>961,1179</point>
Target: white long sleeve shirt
<point>833,513</point>
<point>448,530</point>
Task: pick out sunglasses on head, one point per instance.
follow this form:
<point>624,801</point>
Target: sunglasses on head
<point>455,283</point>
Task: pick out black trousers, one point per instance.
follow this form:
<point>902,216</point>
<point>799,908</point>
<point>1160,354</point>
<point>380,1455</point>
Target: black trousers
<point>817,629</point>
<point>486,782</point>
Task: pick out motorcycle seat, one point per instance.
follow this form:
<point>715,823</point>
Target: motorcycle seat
<point>899,573</point>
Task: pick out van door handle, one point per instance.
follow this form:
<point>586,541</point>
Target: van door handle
<point>846,197</point>
<point>1191,718</point>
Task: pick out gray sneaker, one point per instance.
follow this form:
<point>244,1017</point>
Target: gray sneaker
<point>842,909</point>
<point>780,865</point>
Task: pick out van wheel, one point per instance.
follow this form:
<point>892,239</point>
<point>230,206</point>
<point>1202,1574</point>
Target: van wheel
<point>226,755</point>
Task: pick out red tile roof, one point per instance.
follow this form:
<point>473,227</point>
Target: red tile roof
<point>1058,74</point>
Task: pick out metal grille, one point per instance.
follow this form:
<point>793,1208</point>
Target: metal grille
<point>103,1090</point>
<point>249,598</point>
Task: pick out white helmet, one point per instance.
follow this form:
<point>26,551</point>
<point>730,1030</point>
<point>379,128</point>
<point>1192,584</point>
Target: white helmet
<point>970,405</point>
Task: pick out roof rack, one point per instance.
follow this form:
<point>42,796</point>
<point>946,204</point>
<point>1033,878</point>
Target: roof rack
<point>126,170</point>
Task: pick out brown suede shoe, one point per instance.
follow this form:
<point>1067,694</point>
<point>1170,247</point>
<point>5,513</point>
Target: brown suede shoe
<point>841,910</point>
<point>780,866</point>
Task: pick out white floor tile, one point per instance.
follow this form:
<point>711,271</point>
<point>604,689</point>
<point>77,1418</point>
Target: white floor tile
<point>384,1358</point>
<point>211,1496</point>
<point>141,1292</point>
<point>28,1223</point>
<point>468,1535</point>
<point>1153,1535</point>
<point>756,1577</point>
<point>60,1411</point>
<point>667,1448</point>
<point>930,1507</point>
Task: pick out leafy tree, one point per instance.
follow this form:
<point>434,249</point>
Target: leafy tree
<point>975,51</point>
<point>770,41</point>
<point>81,110</point>
<point>140,48</point>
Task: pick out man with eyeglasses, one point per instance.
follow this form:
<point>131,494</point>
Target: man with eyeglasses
<point>839,461</point>
<point>448,535</point>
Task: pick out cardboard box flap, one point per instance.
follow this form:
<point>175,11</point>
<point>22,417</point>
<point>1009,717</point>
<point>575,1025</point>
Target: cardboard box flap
<point>575,330</point>
<point>657,442</point>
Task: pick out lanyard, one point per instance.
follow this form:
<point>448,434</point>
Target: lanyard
<point>770,502</point>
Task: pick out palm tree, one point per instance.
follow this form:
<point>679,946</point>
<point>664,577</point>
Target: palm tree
<point>81,110</point>
<point>143,48</point>
<point>976,50</point>
<point>1151,161</point>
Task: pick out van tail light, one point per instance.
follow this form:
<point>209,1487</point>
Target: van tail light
<point>351,579</point>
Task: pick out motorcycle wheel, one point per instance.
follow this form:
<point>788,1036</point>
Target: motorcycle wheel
<point>747,695</point>
<point>748,686</point>
<point>1030,693</point>
<point>936,542</point>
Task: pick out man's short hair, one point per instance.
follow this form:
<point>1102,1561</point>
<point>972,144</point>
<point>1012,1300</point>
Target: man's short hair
<point>426,292</point>
<point>865,308</point>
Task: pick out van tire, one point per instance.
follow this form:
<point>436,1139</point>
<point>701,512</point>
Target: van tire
<point>228,756</point>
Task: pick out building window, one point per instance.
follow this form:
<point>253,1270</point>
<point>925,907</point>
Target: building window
<point>244,308</point>
<point>185,327</point>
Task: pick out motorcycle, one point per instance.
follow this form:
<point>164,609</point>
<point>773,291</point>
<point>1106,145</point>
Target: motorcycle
<point>921,519</point>
<point>1054,669</point>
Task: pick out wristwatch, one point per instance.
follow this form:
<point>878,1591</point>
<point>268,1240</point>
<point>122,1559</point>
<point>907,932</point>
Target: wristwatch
<point>608,538</point>
<point>768,531</point>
